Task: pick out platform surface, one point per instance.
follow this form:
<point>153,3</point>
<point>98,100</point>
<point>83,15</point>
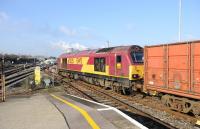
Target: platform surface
<point>35,112</point>
<point>43,111</point>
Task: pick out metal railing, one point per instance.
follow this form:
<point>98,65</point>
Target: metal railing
<point>12,76</point>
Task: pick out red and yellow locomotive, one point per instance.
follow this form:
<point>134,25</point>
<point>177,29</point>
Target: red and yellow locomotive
<point>115,67</point>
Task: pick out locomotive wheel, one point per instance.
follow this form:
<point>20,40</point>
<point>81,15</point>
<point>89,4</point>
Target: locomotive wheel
<point>126,91</point>
<point>118,89</point>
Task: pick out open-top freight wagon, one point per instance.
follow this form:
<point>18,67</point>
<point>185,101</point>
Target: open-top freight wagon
<point>174,71</point>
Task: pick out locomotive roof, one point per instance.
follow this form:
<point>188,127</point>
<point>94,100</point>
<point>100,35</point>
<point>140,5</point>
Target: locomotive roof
<point>105,49</point>
<point>101,50</point>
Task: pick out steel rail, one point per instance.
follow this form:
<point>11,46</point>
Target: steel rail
<point>125,104</point>
<point>128,102</point>
<point>113,101</point>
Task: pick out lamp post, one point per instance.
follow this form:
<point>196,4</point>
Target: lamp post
<point>180,15</point>
<point>108,43</point>
<point>2,64</point>
<point>2,78</point>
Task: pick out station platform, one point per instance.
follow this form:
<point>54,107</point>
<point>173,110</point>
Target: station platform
<point>61,111</point>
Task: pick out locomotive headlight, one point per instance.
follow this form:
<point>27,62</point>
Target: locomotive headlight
<point>135,76</point>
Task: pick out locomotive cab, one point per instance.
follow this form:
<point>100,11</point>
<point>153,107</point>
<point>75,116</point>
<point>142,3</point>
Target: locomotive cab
<point>137,60</point>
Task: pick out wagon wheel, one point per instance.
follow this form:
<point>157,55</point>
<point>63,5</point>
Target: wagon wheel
<point>197,115</point>
<point>179,107</point>
<point>196,110</point>
<point>164,100</point>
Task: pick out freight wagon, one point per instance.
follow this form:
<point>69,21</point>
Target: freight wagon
<point>174,70</point>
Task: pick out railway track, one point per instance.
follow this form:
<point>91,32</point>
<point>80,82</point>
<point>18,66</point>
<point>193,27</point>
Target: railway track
<point>137,107</point>
<point>13,75</point>
<point>109,98</point>
<point>127,105</point>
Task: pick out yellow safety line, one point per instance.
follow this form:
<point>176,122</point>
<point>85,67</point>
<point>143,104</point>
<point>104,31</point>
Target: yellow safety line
<point>82,111</point>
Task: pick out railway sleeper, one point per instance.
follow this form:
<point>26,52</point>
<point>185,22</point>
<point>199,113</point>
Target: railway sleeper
<point>175,103</point>
<point>103,101</point>
<point>181,104</point>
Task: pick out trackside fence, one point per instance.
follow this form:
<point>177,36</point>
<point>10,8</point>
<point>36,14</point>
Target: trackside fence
<point>13,76</point>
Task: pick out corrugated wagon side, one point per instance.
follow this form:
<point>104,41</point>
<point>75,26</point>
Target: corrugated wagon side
<point>174,70</point>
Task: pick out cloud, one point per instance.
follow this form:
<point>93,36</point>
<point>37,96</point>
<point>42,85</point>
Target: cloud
<point>84,28</point>
<point>68,31</point>
<point>68,47</point>
<point>129,27</point>
<point>78,33</point>
<point>3,16</point>
<point>189,37</point>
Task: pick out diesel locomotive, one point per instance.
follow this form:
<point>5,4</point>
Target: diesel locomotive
<point>118,68</point>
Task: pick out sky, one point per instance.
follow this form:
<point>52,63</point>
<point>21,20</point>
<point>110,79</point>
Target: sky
<point>51,27</point>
